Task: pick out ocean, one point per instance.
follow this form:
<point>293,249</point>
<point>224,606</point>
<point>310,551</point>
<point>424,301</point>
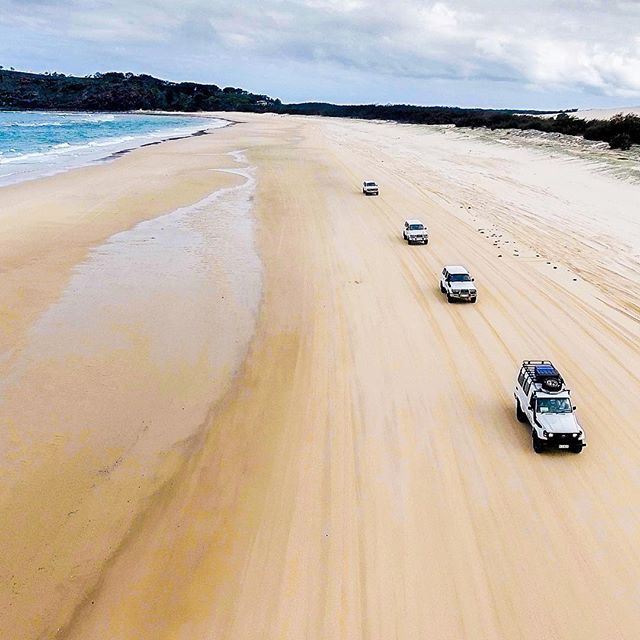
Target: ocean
<point>37,143</point>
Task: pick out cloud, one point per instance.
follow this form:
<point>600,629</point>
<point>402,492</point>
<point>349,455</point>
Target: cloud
<point>577,45</point>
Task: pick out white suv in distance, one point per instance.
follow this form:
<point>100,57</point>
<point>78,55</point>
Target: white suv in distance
<point>544,402</point>
<point>457,284</point>
<point>414,232</point>
<point>370,188</point>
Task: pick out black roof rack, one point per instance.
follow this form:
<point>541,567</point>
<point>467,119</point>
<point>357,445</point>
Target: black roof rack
<point>543,373</point>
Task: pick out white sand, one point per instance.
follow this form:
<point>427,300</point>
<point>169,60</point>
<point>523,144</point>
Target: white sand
<point>605,114</point>
<point>364,476</point>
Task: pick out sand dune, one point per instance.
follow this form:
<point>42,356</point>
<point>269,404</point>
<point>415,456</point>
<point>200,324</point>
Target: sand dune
<point>605,114</point>
<point>363,475</point>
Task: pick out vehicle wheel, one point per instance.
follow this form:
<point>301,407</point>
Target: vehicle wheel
<point>575,448</point>
<point>473,300</point>
<point>442,289</point>
<point>520,414</point>
<point>426,242</point>
<point>538,446</point>
<point>449,299</point>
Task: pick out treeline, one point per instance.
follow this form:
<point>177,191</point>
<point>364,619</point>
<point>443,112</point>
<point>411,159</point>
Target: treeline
<point>128,92</point>
<point>620,131</point>
<point>121,92</point>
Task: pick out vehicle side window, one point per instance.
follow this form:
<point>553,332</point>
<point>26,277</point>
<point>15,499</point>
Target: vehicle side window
<point>527,386</point>
<point>521,378</point>
<point>445,275</point>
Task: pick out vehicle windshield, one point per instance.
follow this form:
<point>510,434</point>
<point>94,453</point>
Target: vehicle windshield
<point>416,227</point>
<point>554,405</point>
<point>369,184</point>
<point>459,277</point>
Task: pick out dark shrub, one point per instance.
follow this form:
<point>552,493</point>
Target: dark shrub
<point>621,141</point>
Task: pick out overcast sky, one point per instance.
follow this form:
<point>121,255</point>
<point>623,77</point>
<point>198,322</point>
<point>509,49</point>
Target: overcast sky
<point>488,53</point>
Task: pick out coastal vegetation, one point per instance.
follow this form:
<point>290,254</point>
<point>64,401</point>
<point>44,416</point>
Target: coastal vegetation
<point>621,132</point>
<point>116,91</point>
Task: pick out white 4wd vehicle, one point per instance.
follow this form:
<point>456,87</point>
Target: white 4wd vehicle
<point>369,188</point>
<point>415,232</point>
<point>457,284</point>
<point>543,401</point>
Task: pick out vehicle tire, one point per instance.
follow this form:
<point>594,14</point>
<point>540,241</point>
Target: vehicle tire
<point>473,300</point>
<point>442,289</point>
<point>575,448</point>
<point>426,242</point>
<point>538,445</point>
<point>521,416</point>
<point>449,299</point>
<point>552,385</point>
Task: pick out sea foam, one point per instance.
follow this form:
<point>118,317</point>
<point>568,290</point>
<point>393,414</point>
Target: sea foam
<point>34,144</point>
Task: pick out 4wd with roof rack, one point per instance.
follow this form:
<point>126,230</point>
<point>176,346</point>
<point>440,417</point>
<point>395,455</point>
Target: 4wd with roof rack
<point>544,402</point>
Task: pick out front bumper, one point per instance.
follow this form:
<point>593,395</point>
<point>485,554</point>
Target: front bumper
<point>463,296</point>
<point>563,441</point>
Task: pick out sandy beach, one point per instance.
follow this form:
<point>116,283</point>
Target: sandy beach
<point>235,404</point>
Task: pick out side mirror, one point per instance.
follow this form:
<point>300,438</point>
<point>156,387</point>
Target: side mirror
<point>473,279</point>
<point>574,407</point>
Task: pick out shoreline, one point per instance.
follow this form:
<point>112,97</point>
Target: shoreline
<point>91,152</point>
<point>122,152</point>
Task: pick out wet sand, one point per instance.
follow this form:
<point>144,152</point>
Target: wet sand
<point>115,351</point>
<point>362,474</point>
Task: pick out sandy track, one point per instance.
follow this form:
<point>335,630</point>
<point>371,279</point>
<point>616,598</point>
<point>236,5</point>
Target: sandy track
<point>365,476</point>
